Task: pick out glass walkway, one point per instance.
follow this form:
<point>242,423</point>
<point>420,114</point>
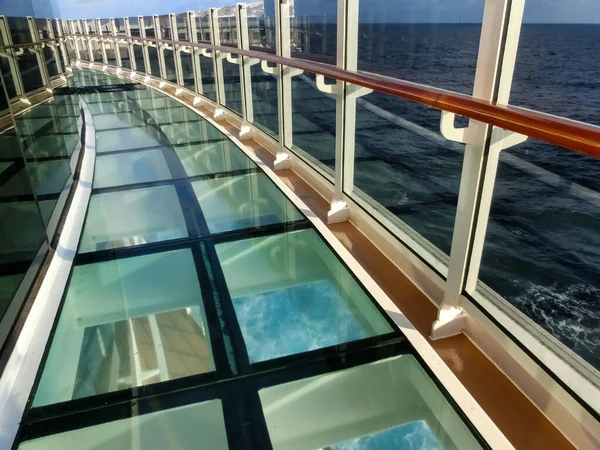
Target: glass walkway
<point>204,310</point>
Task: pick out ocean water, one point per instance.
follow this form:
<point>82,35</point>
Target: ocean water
<point>542,250</point>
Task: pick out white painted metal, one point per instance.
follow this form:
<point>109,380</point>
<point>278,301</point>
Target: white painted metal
<point>63,44</point>
<point>54,46</point>
<point>88,41</point>
<point>115,40</point>
<point>176,49</point>
<point>193,31</point>
<point>130,47</point>
<point>495,64</point>
<point>160,47</point>
<point>243,40</point>
<point>215,37</point>
<point>142,26</point>
<point>75,39</point>
<point>102,41</point>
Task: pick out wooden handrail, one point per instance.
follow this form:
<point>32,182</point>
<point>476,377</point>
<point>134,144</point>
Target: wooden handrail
<point>578,136</point>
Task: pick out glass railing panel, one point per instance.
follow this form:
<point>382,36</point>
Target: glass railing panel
<point>48,54</point>
<point>183,35</point>
<point>314,122</point>
<point>264,100</point>
<point>126,323</point>
<point>198,426</point>
<point>231,79</point>
<point>168,53</point>
<point>313,30</point>
<point>405,171</point>
<point>298,297</point>
<point>228,25</point>
<point>347,410</point>
<point>542,250</point>
<point>22,227</point>
<point>202,26</point>
<point>138,52</point>
<point>207,70</point>
<point>27,61</point>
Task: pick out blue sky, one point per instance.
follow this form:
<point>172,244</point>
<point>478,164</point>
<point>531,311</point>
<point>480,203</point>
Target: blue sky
<point>540,11</point>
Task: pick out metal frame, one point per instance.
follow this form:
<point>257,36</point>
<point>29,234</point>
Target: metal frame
<point>177,49</point>
<point>11,56</point>
<point>215,39</point>
<point>142,25</point>
<point>160,46</point>
<point>101,40</point>
<point>115,40</point>
<point>195,52</point>
<point>130,45</point>
<point>54,46</point>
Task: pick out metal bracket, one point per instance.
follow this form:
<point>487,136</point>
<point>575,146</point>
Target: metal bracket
<point>339,212</point>
<point>232,59</point>
<point>333,89</point>
<point>245,133</point>
<point>282,161</point>
<point>450,322</point>
<point>205,52</point>
<point>465,135</point>
<point>264,65</point>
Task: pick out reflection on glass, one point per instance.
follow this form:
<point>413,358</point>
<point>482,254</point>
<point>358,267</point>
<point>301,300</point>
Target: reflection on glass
<point>313,120</point>
<point>212,157</point>
<point>126,323</point>
<point>244,201</point>
<point>542,249</point>
<point>130,168</point>
<point>390,404</point>
<point>298,296</point>
<point>127,139</point>
<point>405,169</point>
<point>145,215</point>
<point>200,426</point>
<point>313,27</point>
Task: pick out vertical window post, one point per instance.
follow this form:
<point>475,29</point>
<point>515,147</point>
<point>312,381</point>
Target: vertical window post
<point>132,61</point>
<point>176,49</point>
<point>115,39</point>
<point>160,47</point>
<point>215,37</point>
<point>493,77</point>
<point>145,53</point>
<point>195,52</point>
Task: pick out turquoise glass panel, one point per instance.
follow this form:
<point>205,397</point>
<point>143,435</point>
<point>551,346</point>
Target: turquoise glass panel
<point>117,120</point>
<point>127,139</point>
<point>139,216</point>
<point>127,323</point>
<point>296,297</point>
<point>387,405</point>
<point>196,130</point>
<point>244,201</point>
<point>212,157</point>
<point>198,426</point>
<point>130,168</point>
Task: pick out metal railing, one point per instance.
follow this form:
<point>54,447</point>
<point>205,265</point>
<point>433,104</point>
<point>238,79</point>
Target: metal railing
<point>494,126</point>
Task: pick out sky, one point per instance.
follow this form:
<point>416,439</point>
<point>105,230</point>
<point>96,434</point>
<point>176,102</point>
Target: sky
<point>415,11</point>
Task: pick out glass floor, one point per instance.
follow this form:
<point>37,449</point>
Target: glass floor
<point>204,311</point>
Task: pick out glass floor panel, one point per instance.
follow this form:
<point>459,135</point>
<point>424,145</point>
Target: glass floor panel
<point>50,145</point>
<point>127,139</point>
<point>243,201</point>
<point>197,130</point>
<point>198,426</point>
<point>117,120</point>
<point>213,157</point>
<point>127,323</point>
<point>122,219</point>
<point>387,405</point>
<point>297,297</point>
<point>130,168</point>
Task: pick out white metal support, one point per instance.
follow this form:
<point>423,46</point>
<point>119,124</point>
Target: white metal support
<point>37,51</point>
<point>193,31</point>
<point>54,46</point>
<point>75,39</point>
<point>130,48</point>
<point>145,53</point>
<point>63,43</point>
<point>243,40</point>
<point>11,56</point>
<point>161,50</point>
<point>88,40</point>
<point>101,40</point>
<point>115,40</point>
<point>215,37</point>
<point>176,49</point>
<point>500,32</point>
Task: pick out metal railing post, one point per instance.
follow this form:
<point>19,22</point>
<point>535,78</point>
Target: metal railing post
<point>159,47</point>
<point>54,46</point>
<point>88,38</point>
<point>101,41</point>
<point>115,40</point>
<point>130,49</point>
<point>215,37</point>
<point>11,56</point>
<point>195,52</point>
<point>75,39</point>
<point>37,50</point>
<point>145,53</point>
<point>63,43</point>
<point>176,49</point>
<point>245,63</point>
<point>493,77</point>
